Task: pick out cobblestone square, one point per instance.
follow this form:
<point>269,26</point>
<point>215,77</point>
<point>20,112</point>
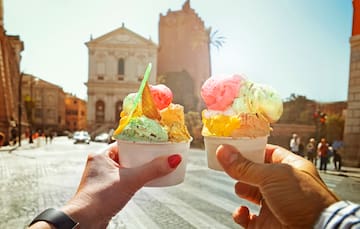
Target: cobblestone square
<point>35,178</point>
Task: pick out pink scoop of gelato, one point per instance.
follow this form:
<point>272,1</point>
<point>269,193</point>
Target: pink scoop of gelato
<point>218,93</point>
<point>162,95</point>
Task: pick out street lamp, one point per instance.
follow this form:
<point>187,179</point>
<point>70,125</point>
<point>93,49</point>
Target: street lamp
<point>29,103</point>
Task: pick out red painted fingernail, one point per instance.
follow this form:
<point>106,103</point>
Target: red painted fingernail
<point>174,160</point>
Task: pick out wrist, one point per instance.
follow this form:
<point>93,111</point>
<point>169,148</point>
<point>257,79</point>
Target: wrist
<point>42,225</point>
<point>53,218</point>
<point>87,216</point>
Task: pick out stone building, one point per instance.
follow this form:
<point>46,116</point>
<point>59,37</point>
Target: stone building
<point>44,104</point>
<point>10,49</point>
<point>75,116</point>
<point>184,50</point>
<point>117,62</point>
<point>352,121</point>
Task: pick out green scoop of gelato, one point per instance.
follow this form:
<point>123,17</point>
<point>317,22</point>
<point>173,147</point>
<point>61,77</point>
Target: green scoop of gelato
<point>143,129</point>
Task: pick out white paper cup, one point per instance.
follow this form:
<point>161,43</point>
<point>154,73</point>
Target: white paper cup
<point>251,148</point>
<point>134,154</point>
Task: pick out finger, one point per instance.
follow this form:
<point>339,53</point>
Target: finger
<point>114,156</point>
<point>248,192</point>
<point>113,147</point>
<point>277,154</point>
<point>156,168</point>
<point>111,151</point>
<point>239,168</point>
<point>241,216</point>
<point>269,150</point>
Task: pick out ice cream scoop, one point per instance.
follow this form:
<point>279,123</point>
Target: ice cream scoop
<point>143,129</point>
<point>162,95</point>
<point>173,119</point>
<point>266,101</point>
<point>128,102</point>
<point>236,106</point>
<point>218,93</point>
<point>239,112</point>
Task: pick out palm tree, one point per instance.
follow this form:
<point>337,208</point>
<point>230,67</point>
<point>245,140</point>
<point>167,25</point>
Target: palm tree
<point>216,40</point>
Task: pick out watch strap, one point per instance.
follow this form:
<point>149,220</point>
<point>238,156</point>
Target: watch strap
<point>57,218</point>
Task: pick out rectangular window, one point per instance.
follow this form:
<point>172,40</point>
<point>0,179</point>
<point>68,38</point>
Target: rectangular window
<point>100,70</point>
<point>38,113</point>
<point>121,66</point>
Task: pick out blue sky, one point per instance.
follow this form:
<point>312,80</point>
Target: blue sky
<point>297,46</point>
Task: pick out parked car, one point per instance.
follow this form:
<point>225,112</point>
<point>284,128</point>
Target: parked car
<point>81,137</point>
<point>103,137</point>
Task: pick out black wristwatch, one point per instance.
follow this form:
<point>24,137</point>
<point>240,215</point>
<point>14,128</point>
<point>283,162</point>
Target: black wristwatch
<point>57,218</point>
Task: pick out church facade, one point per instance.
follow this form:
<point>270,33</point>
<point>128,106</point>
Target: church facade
<point>117,62</point>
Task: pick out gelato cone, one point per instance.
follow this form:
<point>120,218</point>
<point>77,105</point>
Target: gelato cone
<point>149,108</point>
<point>239,112</point>
<point>150,127</point>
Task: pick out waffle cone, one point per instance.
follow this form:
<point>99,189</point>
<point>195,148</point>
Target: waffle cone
<point>149,108</point>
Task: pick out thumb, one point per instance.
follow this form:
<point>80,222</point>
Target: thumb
<point>156,168</point>
<point>240,168</point>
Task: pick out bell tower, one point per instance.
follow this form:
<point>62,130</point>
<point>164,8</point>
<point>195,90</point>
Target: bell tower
<point>352,121</point>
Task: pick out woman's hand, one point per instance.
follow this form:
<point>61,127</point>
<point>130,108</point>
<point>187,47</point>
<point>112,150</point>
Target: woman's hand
<point>106,187</point>
<point>288,188</point>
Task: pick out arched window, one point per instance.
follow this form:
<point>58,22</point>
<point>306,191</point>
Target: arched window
<point>121,66</point>
<point>99,111</point>
<point>118,109</point>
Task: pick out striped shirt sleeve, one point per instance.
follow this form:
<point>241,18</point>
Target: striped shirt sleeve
<point>343,214</point>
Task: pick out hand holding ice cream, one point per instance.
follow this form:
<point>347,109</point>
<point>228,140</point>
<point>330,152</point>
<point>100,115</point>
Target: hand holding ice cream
<point>151,126</point>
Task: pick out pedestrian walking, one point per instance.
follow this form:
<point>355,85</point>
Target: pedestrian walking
<point>2,138</point>
<point>13,139</point>
<point>323,149</point>
<point>294,144</point>
<point>51,136</point>
<point>311,150</point>
<point>337,150</point>
<point>301,148</point>
<point>337,160</point>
